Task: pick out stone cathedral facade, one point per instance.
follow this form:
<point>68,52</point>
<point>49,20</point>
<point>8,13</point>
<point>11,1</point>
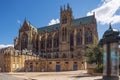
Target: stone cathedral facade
<point>62,43</point>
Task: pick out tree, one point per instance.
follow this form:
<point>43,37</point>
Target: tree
<point>94,54</point>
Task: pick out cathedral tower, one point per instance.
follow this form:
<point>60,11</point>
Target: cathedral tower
<point>65,21</point>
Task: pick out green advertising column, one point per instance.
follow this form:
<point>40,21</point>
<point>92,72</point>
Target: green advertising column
<point>111,55</point>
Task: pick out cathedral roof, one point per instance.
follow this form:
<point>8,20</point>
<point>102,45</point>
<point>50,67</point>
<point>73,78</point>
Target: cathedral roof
<point>82,21</point>
<point>49,28</point>
<point>75,22</point>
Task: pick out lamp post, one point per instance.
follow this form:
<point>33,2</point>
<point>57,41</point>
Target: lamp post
<point>110,42</point>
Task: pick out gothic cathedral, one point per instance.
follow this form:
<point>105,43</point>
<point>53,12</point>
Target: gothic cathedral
<point>67,39</point>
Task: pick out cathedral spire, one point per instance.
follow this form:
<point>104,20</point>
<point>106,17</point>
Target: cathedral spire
<point>68,7</point>
<point>61,9</point>
<point>64,7</point>
<point>25,21</point>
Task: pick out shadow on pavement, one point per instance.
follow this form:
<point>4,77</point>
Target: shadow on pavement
<point>85,75</point>
<point>98,79</point>
<point>82,75</point>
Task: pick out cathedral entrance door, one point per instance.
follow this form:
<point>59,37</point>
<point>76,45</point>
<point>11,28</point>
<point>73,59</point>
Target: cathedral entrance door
<point>75,67</point>
<point>57,68</point>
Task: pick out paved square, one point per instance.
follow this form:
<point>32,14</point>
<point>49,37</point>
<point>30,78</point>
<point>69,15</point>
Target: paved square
<point>69,75</point>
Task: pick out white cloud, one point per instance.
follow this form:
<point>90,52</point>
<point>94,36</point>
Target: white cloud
<point>54,21</point>
<point>4,46</point>
<point>106,12</point>
<point>18,21</point>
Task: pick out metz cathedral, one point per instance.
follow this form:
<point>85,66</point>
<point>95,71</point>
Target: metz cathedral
<point>61,46</point>
<point>66,39</point>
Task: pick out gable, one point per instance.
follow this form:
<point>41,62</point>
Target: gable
<point>25,26</point>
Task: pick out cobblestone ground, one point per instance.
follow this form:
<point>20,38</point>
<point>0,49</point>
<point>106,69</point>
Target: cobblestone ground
<point>70,75</point>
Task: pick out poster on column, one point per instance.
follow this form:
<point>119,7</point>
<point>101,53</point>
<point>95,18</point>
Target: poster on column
<point>114,59</point>
<point>105,60</point>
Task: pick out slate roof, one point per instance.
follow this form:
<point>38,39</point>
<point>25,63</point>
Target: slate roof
<point>82,21</point>
<point>49,28</point>
<point>75,22</point>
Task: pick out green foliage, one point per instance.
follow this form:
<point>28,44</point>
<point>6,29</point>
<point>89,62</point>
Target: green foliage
<point>99,69</point>
<point>94,54</point>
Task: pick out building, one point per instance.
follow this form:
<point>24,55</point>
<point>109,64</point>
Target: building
<point>63,42</point>
<point>60,47</point>
<point>67,39</point>
<point>12,60</point>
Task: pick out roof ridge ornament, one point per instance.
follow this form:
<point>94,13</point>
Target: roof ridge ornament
<point>110,27</point>
<point>94,14</point>
<point>25,19</point>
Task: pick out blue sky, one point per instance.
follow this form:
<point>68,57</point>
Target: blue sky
<point>42,12</point>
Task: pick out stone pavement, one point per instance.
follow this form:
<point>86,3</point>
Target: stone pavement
<point>4,76</point>
<point>69,75</point>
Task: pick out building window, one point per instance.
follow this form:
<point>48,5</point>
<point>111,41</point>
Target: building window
<point>56,55</point>
<point>71,39</point>
<point>79,38</point>
<point>49,42</point>
<point>88,37</point>
<point>57,62</point>
<point>72,56</point>
<point>75,62</point>
<point>43,42</point>
<point>64,55</point>
<point>64,20</point>
<point>56,40</point>
<point>24,41</point>
<point>66,63</point>
<point>64,34</point>
<point>50,62</point>
<point>36,63</point>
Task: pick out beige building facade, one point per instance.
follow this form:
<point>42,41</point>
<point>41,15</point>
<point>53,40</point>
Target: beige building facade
<point>52,65</point>
<point>12,60</point>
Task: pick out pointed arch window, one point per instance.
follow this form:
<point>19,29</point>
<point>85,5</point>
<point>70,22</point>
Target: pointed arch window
<point>64,34</point>
<point>72,39</point>
<point>88,37</point>
<point>56,40</point>
<point>49,41</point>
<point>79,38</point>
<point>43,42</point>
<point>64,20</point>
<point>24,41</point>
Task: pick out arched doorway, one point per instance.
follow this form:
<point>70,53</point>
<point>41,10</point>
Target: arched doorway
<point>57,68</point>
<point>31,68</point>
